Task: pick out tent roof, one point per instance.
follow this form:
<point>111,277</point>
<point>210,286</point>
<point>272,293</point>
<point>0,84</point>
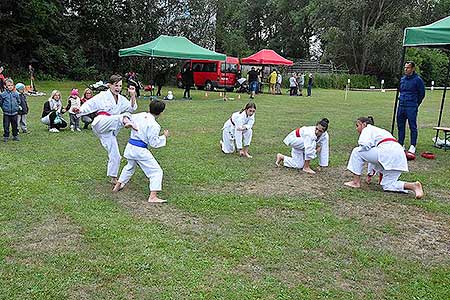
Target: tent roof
<point>172,47</point>
<point>436,34</point>
<point>266,57</point>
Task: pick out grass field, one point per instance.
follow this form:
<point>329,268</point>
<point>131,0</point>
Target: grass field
<point>233,228</point>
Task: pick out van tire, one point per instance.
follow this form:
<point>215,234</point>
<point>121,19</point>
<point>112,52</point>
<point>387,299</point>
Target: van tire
<point>208,86</point>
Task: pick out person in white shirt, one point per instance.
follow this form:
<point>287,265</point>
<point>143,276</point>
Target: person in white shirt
<point>237,131</point>
<point>307,143</point>
<point>384,155</point>
<point>113,112</point>
<point>137,153</point>
<point>278,85</point>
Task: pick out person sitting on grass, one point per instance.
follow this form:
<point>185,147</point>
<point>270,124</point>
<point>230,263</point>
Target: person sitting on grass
<point>137,153</point>
<point>10,104</point>
<point>237,131</point>
<point>87,119</point>
<point>52,113</point>
<point>380,149</point>
<point>307,142</point>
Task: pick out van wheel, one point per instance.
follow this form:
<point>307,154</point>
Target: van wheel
<point>180,84</point>
<point>208,86</point>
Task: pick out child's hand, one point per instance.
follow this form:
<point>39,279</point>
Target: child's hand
<point>132,91</point>
<point>166,133</point>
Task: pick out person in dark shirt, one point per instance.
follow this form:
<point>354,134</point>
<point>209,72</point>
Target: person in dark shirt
<point>252,78</point>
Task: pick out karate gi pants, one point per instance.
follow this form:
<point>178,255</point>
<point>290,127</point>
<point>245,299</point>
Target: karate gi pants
<point>390,180</point>
<point>229,138</point>
<point>144,158</point>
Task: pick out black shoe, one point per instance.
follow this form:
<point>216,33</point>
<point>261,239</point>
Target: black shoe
<point>15,138</point>
<point>5,139</point>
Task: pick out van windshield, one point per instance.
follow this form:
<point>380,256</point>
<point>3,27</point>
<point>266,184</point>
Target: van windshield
<point>230,68</point>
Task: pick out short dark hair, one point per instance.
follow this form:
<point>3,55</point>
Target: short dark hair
<point>157,107</point>
<point>115,78</point>
<point>324,123</point>
<point>367,120</point>
<point>410,62</point>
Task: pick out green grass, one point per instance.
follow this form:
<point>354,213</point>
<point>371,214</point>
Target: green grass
<point>233,228</point>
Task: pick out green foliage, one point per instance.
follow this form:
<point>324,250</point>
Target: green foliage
<point>431,64</point>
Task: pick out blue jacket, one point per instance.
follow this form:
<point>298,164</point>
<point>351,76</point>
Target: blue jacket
<point>9,102</point>
<point>412,91</point>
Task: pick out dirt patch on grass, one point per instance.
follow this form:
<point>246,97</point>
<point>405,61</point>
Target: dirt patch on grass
<point>54,235</point>
<point>401,229</point>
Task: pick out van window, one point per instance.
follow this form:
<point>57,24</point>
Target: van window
<point>197,67</point>
<point>231,68</point>
<point>209,67</point>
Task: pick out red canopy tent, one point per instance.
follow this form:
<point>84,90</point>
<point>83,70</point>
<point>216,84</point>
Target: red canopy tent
<point>266,57</point>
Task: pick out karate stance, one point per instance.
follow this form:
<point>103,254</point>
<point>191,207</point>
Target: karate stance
<point>384,155</point>
<point>136,151</point>
<point>238,129</point>
<point>113,113</point>
<point>307,143</point>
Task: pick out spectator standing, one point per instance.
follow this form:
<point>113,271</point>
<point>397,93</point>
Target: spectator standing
<point>293,85</point>
<point>23,108</point>
<point>272,81</point>
<point>252,78</point>
<point>188,81</point>
<point>10,102</point>
<point>160,80</point>
<point>412,92</point>
<point>310,84</point>
<point>279,82</point>
<point>301,83</point>
<point>73,107</point>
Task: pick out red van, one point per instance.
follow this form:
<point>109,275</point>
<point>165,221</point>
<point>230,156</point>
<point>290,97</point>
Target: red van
<point>210,74</point>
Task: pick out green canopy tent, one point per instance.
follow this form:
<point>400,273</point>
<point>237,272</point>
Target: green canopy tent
<point>435,35</point>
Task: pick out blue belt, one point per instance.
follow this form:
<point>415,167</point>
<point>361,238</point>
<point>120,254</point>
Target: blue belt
<point>137,143</point>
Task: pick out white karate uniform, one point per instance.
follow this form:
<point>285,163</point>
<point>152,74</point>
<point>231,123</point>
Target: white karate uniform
<point>304,147</point>
<point>387,157</point>
<point>148,132</point>
<point>233,138</point>
<point>107,127</point>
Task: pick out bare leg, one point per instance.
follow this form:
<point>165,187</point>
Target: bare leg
<point>355,183</point>
<point>280,158</point>
<point>307,168</point>
<point>246,152</point>
<point>154,198</point>
<point>416,187</point>
<point>118,186</point>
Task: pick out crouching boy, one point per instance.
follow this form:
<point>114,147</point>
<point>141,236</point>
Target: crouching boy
<point>136,152</point>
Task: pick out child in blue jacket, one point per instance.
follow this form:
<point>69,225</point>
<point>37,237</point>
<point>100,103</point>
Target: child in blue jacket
<point>10,104</point>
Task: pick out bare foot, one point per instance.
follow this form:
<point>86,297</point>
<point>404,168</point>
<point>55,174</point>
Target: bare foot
<point>156,200</point>
<point>280,157</point>
<point>118,187</point>
<point>113,180</point>
<point>352,184</point>
<point>308,170</point>
<point>369,179</point>
<point>245,154</point>
<point>418,190</point>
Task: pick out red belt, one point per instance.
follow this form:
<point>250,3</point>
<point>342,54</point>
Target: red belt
<point>297,132</point>
<point>231,120</point>
<point>103,113</point>
<point>387,140</point>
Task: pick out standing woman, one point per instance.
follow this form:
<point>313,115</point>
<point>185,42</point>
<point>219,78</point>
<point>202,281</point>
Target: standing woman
<point>384,154</point>
<point>238,129</point>
<point>307,143</point>
<point>188,81</point>
<point>113,112</point>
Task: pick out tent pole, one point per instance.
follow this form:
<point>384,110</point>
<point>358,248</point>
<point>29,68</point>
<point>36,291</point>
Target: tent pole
<point>443,99</point>
<point>398,90</point>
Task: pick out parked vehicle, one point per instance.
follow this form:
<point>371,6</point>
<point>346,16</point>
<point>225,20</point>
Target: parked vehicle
<point>211,74</point>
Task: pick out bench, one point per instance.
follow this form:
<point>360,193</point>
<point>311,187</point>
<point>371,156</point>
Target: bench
<point>446,131</point>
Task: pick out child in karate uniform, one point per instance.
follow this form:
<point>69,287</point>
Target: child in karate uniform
<point>113,113</point>
<point>307,143</point>
<point>238,129</point>
<point>384,154</point>
<point>136,151</point>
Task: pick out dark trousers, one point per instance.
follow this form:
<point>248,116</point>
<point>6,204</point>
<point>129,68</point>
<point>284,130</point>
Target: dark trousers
<point>410,114</point>
<point>158,93</point>
<point>52,117</point>
<point>7,120</point>
<point>293,91</point>
<point>187,91</point>
<point>309,89</point>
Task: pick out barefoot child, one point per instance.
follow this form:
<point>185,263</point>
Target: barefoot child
<point>238,128</point>
<point>113,113</point>
<point>384,154</point>
<point>307,142</point>
<point>136,151</point>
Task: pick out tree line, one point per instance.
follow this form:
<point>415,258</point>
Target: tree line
<point>80,39</point>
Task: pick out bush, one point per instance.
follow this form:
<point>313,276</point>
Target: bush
<point>339,81</point>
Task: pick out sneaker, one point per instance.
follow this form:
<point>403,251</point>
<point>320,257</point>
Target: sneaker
<point>53,130</point>
<point>15,138</point>
<point>5,139</point>
<point>24,131</point>
<point>412,149</point>
<point>78,129</point>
